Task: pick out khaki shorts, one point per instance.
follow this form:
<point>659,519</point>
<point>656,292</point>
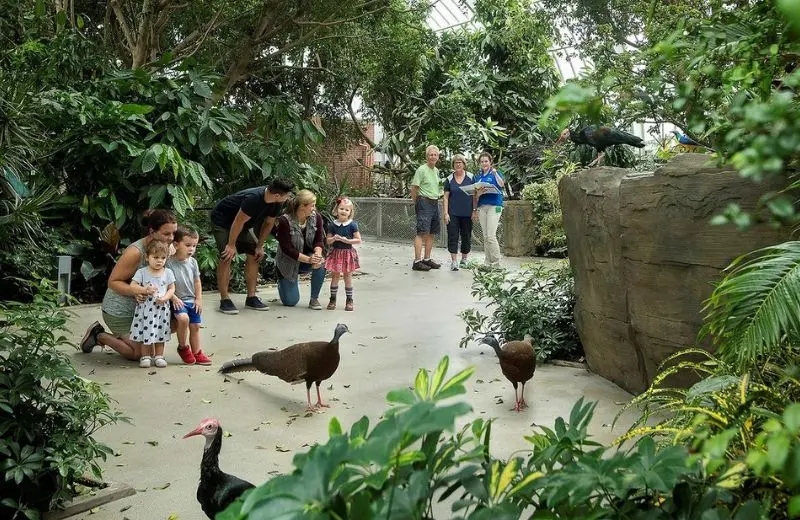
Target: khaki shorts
<point>118,326</point>
<point>245,243</point>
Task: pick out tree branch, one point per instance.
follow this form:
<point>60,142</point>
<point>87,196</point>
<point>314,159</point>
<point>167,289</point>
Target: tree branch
<point>130,43</point>
<point>364,135</point>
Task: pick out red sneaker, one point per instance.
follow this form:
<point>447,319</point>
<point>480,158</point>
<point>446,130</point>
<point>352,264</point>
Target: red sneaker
<point>186,355</point>
<point>201,359</point>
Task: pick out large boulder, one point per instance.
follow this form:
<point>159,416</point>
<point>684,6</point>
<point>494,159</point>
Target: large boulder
<point>645,255</point>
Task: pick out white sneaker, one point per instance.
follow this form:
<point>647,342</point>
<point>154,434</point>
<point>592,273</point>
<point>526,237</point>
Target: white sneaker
<point>145,362</point>
<point>454,265</point>
<point>161,362</point>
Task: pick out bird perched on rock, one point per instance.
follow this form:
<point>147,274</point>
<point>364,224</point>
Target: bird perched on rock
<point>217,490</point>
<point>600,138</point>
<point>312,362</point>
<point>517,362</point>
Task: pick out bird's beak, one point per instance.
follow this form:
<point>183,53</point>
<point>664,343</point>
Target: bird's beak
<point>559,141</point>
<point>196,431</point>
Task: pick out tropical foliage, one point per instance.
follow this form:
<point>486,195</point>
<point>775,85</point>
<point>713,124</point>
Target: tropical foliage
<point>48,413</point>
<point>538,301</point>
<point>415,463</point>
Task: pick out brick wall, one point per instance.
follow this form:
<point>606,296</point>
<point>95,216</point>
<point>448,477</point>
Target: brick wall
<point>353,163</point>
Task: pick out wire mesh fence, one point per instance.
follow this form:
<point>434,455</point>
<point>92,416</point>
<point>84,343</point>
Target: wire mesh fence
<point>394,220</point>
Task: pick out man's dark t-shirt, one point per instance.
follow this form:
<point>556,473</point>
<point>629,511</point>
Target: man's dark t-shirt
<point>251,202</point>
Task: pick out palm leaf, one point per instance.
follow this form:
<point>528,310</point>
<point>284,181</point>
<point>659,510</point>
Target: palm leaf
<point>755,305</point>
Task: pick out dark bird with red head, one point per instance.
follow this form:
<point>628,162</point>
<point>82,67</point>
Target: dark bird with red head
<point>600,138</point>
<point>217,489</point>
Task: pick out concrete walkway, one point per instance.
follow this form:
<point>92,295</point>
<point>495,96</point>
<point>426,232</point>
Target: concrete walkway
<point>403,321</point>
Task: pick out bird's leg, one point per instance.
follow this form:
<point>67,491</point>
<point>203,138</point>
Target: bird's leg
<point>522,402</point>
<point>319,399</point>
<point>516,400</point>
<point>597,160</point>
<point>310,408</point>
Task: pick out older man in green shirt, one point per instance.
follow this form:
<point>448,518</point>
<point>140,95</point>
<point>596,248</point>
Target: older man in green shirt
<point>425,191</point>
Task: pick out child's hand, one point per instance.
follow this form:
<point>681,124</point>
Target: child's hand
<point>160,301</point>
<point>198,305</point>
<point>151,290</point>
<point>177,303</point>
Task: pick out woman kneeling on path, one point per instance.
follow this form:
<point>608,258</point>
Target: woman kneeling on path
<point>300,234</point>
<point>119,302</point>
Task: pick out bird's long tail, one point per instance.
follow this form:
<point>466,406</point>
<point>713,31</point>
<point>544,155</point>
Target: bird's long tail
<point>238,365</point>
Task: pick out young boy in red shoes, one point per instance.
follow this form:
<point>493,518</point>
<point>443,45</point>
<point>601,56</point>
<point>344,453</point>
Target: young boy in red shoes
<point>187,303</point>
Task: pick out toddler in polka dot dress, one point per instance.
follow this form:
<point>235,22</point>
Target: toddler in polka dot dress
<point>151,319</point>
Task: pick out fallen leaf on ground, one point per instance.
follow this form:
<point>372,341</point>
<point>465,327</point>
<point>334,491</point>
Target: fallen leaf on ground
<point>236,337</point>
<point>178,424</point>
<point>479,381</point>
<point>227,434</point>
<point>152,443</point>
<point>309,414</point>
<point>173,516</point>
<point>94,510</point>
<point>152,373</point>
<point>206,401</point>
<point>120,465</point>
<point>125,508</point>
<point>346,386</point>
<point>380,337</point>
<point>284,409</point>
<point>188,390</point>
<point>280,448</point>
<point>128,442</point>
<point>165,486</point>
<point>273,472</point>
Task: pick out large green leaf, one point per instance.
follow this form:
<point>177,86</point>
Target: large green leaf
<point>755,306</point>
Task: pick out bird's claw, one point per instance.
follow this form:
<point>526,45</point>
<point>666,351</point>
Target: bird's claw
<point>323,405</point>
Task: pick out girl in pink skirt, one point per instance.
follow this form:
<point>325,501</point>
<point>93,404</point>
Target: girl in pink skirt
<point>343,258</point>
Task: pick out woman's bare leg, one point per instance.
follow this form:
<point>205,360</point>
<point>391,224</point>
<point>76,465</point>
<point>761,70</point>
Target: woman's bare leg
<point>124,346</point>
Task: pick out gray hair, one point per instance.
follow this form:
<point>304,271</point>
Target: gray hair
<point>431,147</point>
<point>458,157</point>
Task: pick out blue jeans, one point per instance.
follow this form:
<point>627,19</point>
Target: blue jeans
<point>289,290</point>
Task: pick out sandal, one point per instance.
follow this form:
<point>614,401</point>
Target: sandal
<point>332,305</point>
<point>348,306</point>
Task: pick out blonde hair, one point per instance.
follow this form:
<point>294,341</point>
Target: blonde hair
<point>302,198</point>
<point>157,247</point>
<point>431,147</point>
<point>458,157</point>
<point>347,202</point>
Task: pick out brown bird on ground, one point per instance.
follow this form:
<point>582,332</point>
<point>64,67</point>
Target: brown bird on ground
<point>312,362</point>
<point>517,362</point>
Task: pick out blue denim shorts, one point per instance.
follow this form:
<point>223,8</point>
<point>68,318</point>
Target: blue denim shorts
<point>189,309</point>
<point>427,216</point>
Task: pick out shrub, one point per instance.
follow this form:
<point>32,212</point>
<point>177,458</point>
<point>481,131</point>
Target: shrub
<point>537,301</point>
<point>414,464</point>
<point>48,413</point>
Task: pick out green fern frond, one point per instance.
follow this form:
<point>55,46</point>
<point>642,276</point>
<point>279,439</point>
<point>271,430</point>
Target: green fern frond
<point>755,305</point>
<point>647,430</point>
